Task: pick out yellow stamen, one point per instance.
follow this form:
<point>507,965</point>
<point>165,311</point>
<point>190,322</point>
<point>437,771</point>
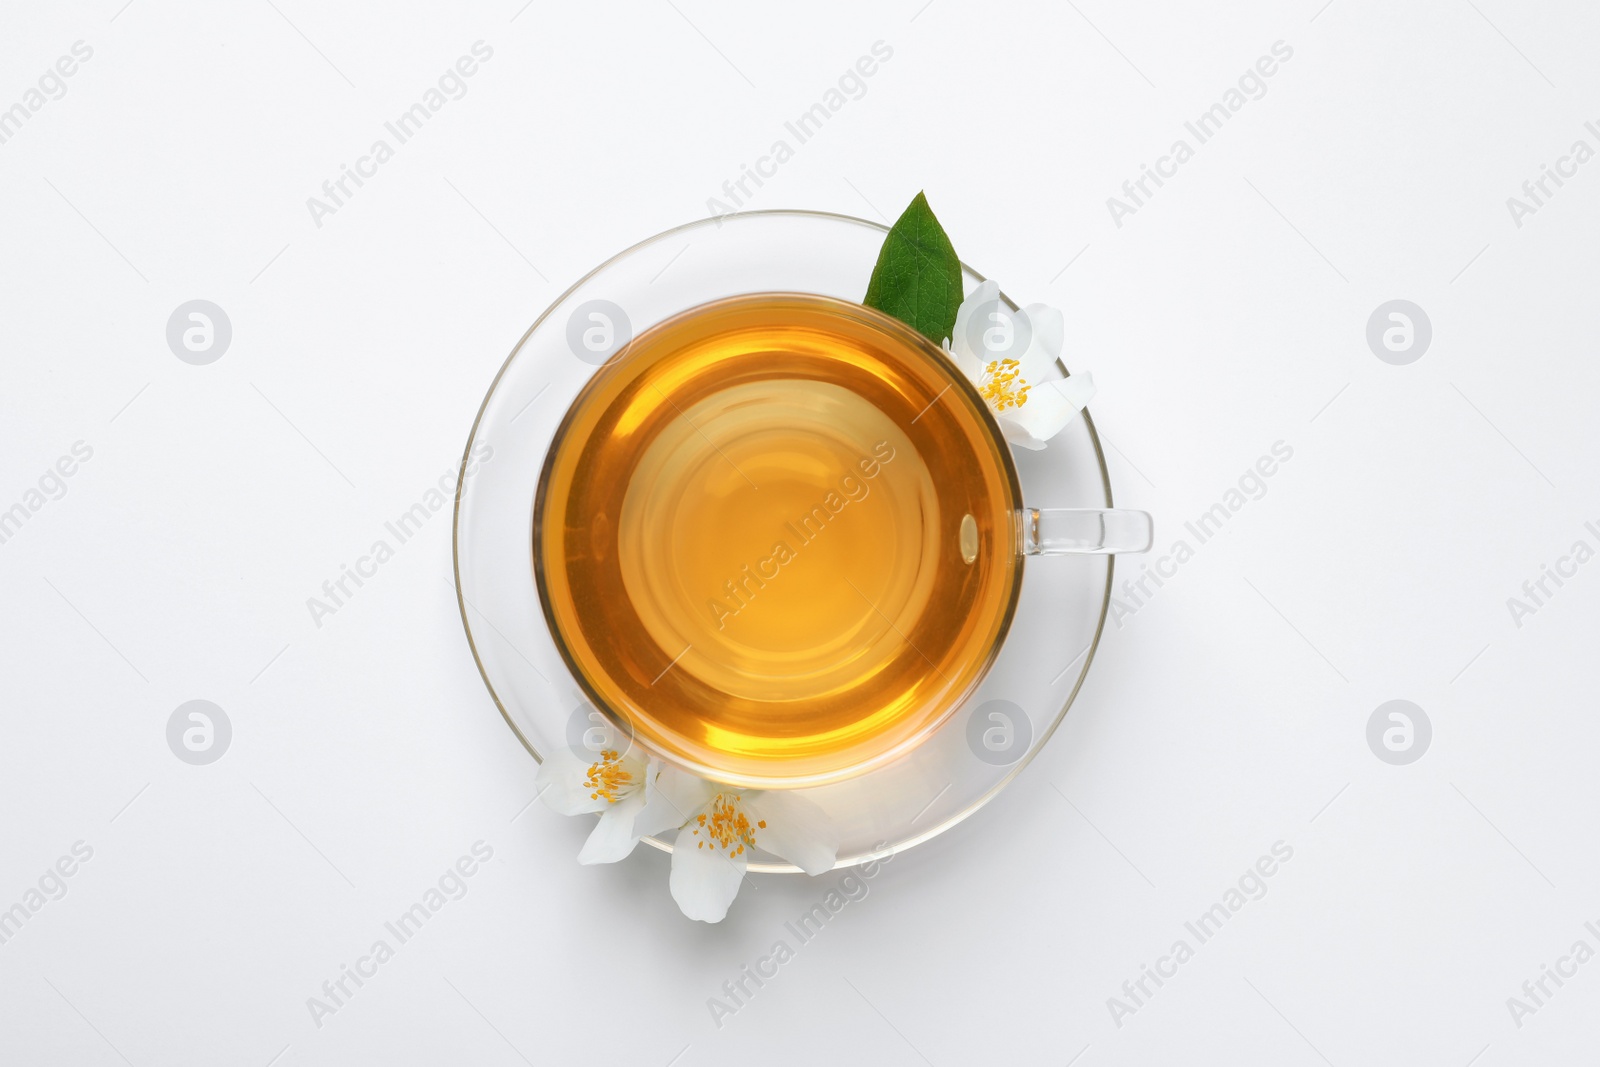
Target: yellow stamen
<point>1003,385</point>
<point>606,778</point>
<point>728,827</point>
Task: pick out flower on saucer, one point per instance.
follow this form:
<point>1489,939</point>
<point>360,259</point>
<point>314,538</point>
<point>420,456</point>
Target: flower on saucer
<point>1014,360</point>
<point>723,824</point>
<point>617,786</point>
<point>718,825</point>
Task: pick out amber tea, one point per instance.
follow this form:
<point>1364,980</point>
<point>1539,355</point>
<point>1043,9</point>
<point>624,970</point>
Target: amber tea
<point>777,537</point>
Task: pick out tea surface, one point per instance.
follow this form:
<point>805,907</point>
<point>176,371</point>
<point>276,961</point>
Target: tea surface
<point>750,538</point>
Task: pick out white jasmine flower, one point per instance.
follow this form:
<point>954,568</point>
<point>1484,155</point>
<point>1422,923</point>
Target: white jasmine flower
<point>1014,360</point>
<point>723,824</point>
<point>617,786</point>
<point>718,825</point>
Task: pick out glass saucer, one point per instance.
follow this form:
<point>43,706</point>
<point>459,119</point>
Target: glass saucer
<point>1060,613</point>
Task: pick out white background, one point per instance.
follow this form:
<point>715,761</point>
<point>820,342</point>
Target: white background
<point>1227,713</point>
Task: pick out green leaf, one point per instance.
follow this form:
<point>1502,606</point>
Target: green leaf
<point>918,277</point>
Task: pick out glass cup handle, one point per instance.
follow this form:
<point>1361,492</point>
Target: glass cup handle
<point>1059,531</point>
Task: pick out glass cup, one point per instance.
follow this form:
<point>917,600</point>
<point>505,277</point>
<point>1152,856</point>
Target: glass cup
<point>649,498</point>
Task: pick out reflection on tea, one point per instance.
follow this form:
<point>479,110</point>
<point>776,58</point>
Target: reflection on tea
<point>744,588</point>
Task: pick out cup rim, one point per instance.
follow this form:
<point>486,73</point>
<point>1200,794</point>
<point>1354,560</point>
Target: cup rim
<point>884,850</point>
<point>944,367</point>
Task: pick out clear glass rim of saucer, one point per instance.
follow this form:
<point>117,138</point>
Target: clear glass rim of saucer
<point>843,861</point>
